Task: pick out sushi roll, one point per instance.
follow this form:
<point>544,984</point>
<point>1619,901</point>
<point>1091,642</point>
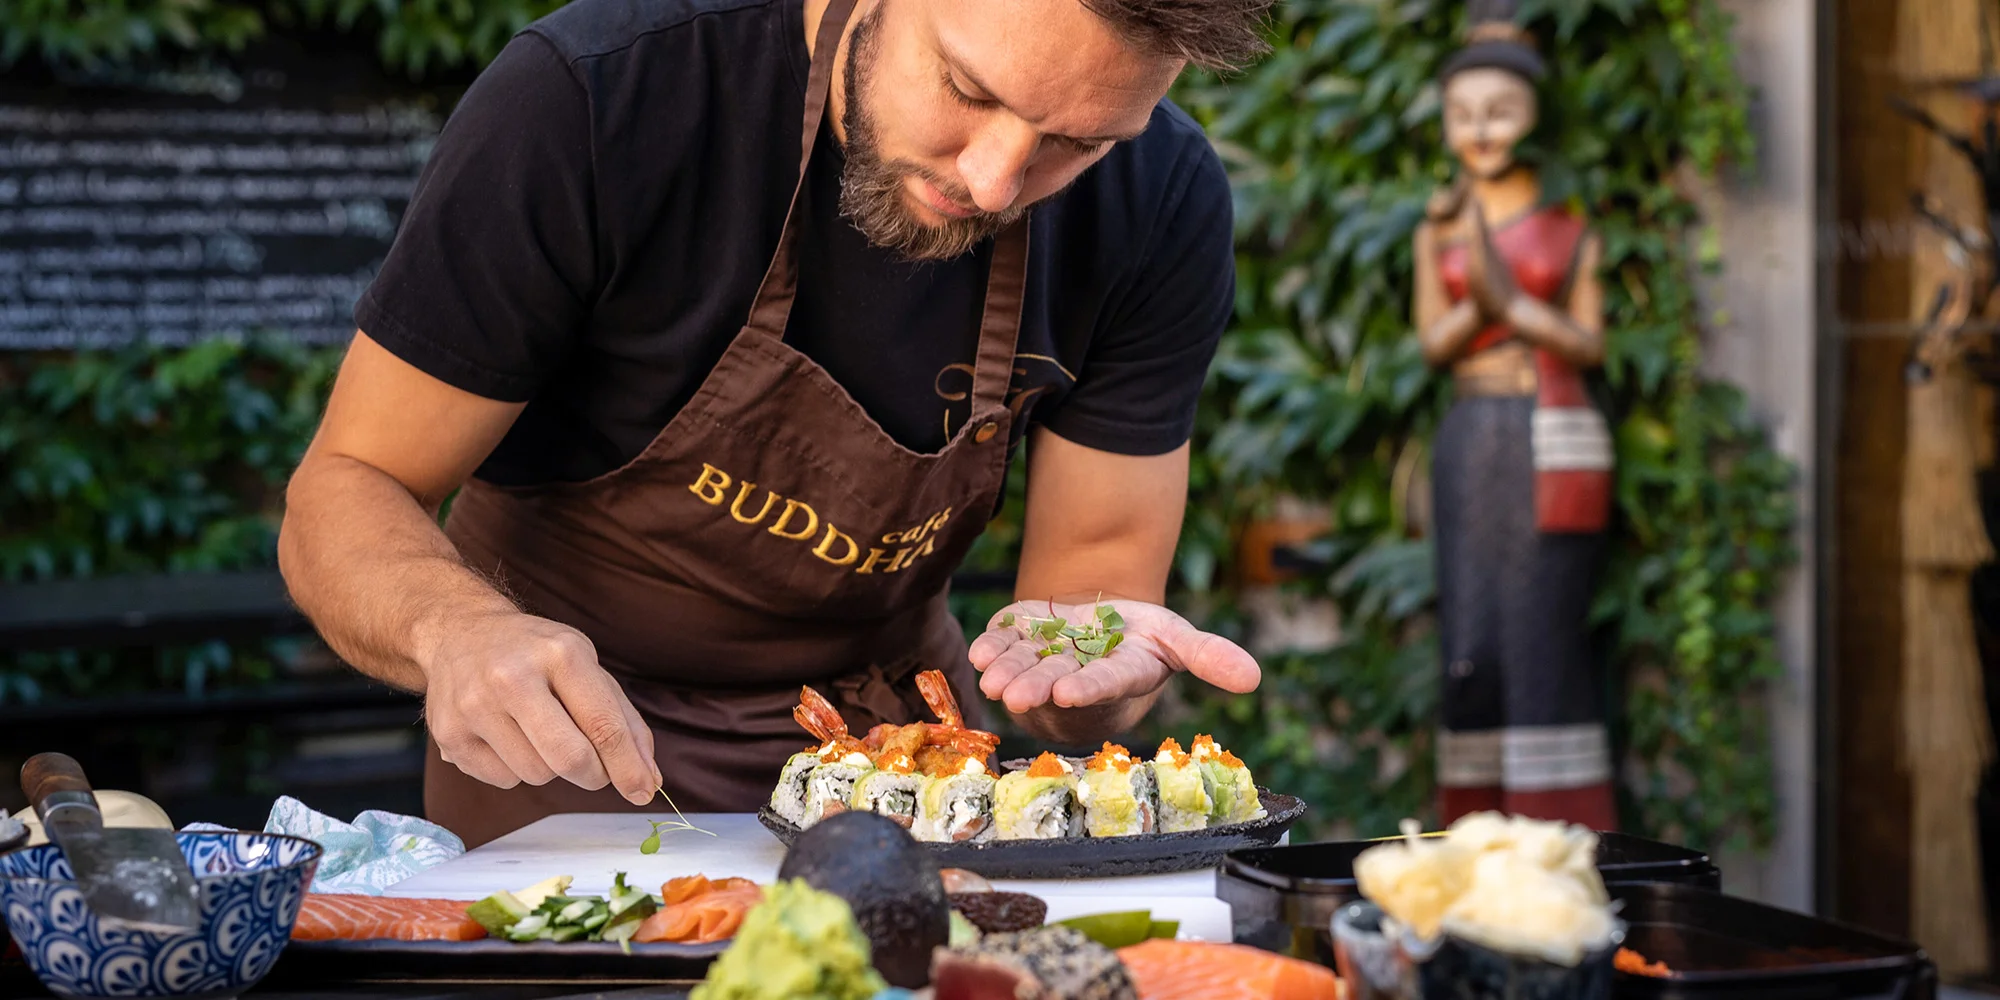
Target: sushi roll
<point>1235,794</point>
<point>789,798</point>
<point>830,787</point>
<point>957,808</point>
<point>1118,794</point>
<point>1038,803</point>
<point>891,790</point>
<point>1186,796</point>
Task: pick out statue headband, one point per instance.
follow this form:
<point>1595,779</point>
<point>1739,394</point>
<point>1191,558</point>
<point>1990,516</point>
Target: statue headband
<point>1499,31</point>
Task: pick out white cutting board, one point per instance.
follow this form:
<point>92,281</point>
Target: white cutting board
<point>592,847</point>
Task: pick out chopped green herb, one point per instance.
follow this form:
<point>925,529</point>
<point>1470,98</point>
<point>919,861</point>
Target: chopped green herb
<point>651,845</point>
<point>1088,640</point>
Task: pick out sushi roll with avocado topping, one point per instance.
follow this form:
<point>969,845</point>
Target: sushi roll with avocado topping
<point>1038,803</point>
<point>1186,797</point>
<point>789,798</point>
<point>1236,799</point>
<point>830,787</point>
<point>891,790</point>
<point>1118,795</point>
<point>957,807</point>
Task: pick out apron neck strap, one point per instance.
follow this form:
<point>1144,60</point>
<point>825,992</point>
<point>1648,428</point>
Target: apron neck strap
<point>773,305</point>
<point>1000,323</point>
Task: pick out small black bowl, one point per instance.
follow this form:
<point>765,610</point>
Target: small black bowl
<point>1284,898</point>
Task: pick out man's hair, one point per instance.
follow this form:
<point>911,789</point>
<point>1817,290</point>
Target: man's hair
<point>1213,34</point>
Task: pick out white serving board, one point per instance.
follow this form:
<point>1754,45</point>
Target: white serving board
<point>592,847</point>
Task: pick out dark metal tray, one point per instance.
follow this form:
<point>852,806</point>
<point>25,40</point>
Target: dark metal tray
<point>1725,948</point>
<point>490,961</point>
<point>1102,857</point>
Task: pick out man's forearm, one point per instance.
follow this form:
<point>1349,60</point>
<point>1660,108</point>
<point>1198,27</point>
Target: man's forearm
<point>370,567</point>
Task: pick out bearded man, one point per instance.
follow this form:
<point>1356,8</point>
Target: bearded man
<point>720,322</point>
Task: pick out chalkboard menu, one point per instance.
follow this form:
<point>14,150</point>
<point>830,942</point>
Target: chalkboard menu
<point>127,214</point>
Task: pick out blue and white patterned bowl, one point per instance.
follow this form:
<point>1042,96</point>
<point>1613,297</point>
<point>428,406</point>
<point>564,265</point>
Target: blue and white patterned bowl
<point>251,885</point>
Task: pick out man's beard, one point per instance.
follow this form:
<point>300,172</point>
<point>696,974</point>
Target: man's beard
<point>873,193</point>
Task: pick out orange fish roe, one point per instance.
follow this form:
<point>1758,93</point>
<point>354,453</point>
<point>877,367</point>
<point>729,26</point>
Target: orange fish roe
<point>1172,749</point>
<point>1230,760</point>
<point>902,763</point>
<point>1111,757</point>
<point>1048,765</point>
<point>1203,741</point>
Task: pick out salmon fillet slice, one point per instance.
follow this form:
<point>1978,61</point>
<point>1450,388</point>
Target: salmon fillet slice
<point>329,917</point>
<point>700,911</point>
<point>1201,970</point>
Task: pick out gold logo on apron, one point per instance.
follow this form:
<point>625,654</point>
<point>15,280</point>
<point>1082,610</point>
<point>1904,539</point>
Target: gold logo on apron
<point>797,521</point>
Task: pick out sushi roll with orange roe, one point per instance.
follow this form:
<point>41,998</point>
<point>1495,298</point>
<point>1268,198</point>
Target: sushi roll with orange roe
<point>1235,794</point>
<point>1039,803</point>
<point>1186,795</point>
<point>1118,795</point>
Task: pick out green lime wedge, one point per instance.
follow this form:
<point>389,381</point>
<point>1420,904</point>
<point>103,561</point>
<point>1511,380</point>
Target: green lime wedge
<point>1113,930</point>
<point>1165,929</point>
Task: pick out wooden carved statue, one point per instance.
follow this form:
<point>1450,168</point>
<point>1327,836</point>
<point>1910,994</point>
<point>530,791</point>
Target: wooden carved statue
<point>1508,298</point>
<point>1947,739</point>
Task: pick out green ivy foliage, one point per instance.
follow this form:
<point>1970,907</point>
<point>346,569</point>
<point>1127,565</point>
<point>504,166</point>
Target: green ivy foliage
<point>415,37</point>
<point>1318,390</point>
<point>143,460</point>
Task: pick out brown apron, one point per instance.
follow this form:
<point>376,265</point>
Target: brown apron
<point>772,535</point>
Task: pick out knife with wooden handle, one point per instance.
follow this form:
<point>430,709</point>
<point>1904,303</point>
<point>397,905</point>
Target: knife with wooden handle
<point>128,876</point>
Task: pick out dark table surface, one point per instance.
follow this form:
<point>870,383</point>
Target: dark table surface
<point>471,991</point>
<point>16,982</point>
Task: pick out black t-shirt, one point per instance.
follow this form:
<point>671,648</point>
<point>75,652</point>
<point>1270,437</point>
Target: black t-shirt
<point>600,207</point>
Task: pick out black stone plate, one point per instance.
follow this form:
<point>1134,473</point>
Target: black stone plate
<point>489,961</point>
<point>1102,857</point>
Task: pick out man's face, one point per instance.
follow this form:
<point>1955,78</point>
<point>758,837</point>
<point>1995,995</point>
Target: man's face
<point>961,114</point>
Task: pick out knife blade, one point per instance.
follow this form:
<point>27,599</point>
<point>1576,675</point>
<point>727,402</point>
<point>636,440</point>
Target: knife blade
<point>138,878</point>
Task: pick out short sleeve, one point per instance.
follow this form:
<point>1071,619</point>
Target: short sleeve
<point>1143,375</point>
<point>492,270</point>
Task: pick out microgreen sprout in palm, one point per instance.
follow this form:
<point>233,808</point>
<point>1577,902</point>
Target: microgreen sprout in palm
<point>1091,639</point>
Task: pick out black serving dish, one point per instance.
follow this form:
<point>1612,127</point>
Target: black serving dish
<point>1725,948</point>
<point>317,963</point>
<point>1102,857</point>
<point>1284,898</point>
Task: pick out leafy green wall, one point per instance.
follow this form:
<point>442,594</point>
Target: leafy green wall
<point>1318,393</point>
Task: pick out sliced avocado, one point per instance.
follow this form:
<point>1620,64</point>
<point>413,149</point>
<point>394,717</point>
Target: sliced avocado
<point>498,912</point>
<point>1168,929</point>
<point>567,933</point>
<point>575,912</point>
<point>962,930</point>
<point>635,912</point>
<point>1113,930</point>
<point>533,895</point>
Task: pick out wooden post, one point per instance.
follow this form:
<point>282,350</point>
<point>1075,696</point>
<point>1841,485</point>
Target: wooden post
<point>1869,811</point>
